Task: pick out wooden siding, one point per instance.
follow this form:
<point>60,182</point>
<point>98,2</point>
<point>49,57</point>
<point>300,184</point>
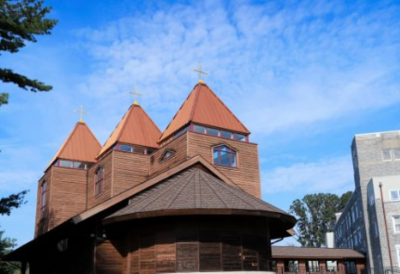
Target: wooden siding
<point>68,194</point>
<point>110,257</point>
<point>42,220</point>
<point>107,163</point>
<point>246,175</point>
<point>179,145</point>
<point>130,169</point>
<point>169,245</point>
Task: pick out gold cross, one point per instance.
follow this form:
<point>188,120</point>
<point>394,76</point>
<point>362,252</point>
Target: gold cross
<point>81,112</point>
<point>135,94</point>
<point>200,71</point>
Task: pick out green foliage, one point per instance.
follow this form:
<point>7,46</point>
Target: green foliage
<point>316,216</point>
<point>11,202</point>
<point>20,22</point>
<point>6,245</point>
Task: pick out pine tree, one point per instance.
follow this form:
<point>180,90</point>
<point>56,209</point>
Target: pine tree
<point>20,22</point>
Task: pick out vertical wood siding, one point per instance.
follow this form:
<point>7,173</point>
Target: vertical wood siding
<point>246,175</point>
<point>68,194</point>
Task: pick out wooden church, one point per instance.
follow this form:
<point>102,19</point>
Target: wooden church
<point>183,200</point>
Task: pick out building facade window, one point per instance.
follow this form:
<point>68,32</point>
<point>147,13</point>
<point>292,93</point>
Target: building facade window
<point>391,154</point>
<point>312,266</point>
<point>43,196</point>
<point>331,266</point>
<point>133,149</point>
<point>224,156</point>
<point>396,223</point>
<point>72,164</point>
<point>291,266</point>
<point>98,180</point>
<point>395,195</point>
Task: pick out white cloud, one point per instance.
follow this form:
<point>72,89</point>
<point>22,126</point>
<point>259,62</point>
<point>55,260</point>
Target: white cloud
<point>290,65</point>
<point>328,175</point>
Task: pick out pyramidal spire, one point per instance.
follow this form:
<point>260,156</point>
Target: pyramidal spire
<point>81,145</point>
<point>135,128</point>
<point>203,107</point>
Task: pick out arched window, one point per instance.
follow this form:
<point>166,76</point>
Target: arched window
<point>98,180</point>
<point>224,156</point>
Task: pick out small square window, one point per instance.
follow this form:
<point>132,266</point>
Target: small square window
<point>394,195</point>
<point>240,137</point>
<point>127,148</point>
<point>226,134</point>
<point>65,163</point>
<point>386,154</point>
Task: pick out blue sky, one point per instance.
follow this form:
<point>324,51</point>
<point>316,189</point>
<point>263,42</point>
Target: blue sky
<point>303,76</point>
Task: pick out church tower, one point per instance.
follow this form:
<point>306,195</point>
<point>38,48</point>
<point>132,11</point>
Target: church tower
<point>205,126</point>
<point>62,189</point>
<point>124,159</point>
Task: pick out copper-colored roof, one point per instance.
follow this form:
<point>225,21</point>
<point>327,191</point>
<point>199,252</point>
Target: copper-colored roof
<point>203,106</point>
<point>81,145</point>
<point>135,128</point>
<point>194,192</point>
<point>293,252</point>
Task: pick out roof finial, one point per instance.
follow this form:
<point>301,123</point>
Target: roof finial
<point>81,112</point>
<point>135,94</point>
<point>200,71</point>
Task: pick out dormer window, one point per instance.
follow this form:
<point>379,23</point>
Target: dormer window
<point>224,156</point>
<point>98,180</point>
<point>167,154</point>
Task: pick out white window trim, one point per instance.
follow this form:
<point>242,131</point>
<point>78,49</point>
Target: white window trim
<point>394,225</point>
<point>398,254</point>
<point>398,194</point>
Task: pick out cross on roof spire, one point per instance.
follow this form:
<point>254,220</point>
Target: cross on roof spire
<point>200,71</point>
<point>135,94</point>
<point>81,113</point>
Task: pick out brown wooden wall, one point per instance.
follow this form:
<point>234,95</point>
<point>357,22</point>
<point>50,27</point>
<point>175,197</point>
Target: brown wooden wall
<point>42,220</point>
<point>130,169</point>
<point>179,145</point>
<point>107,162</point>
<point>68,194</point>
<point>247,173</point>
<point>176,245</point>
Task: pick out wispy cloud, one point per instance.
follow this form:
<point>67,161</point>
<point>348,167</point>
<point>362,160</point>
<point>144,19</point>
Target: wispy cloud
<point>330,175</point>
<point>290,64</point>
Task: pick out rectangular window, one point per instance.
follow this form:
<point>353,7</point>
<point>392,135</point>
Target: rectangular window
<point>199,129</point>
<point>44,191</point>
<point>65,163</point>
<point>226,134</point>
<point>291,266</point>
<point>212,131</point>
<point>150,150</point>
<point>98,181</point>
<point>387,156</point>
<point>396,223</point>
<point>396,153</point>
<point>394,195</point>
<point>139,150</point>
<point>240,137</point>
<point>331,266</point>
<point>126,148</point>
<point>312,266</point>
<point>79,165</point>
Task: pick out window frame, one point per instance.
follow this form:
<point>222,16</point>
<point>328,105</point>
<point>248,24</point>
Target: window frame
<point>98,183</point>
<point>232,151</point>
<point>163,157</point>
<point>398,194</point>
<point>43,204</point>
<point>395,231</point>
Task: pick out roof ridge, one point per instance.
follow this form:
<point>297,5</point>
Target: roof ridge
<point>161,193</point>
<point>212,188</point>
<point>129,113</point>
<point>181,189</point>
<point>92,134</point>
<point>151,120</point>
<point>230,189</point>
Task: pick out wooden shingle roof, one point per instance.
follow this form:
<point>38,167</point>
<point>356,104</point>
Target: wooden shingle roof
<point>203,106</point>
<point>135,128</point>
<point>293,252</point>
<point>196,192</point>
<point>81,145</point>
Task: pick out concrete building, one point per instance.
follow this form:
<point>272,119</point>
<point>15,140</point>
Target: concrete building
<point>376,156</point>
